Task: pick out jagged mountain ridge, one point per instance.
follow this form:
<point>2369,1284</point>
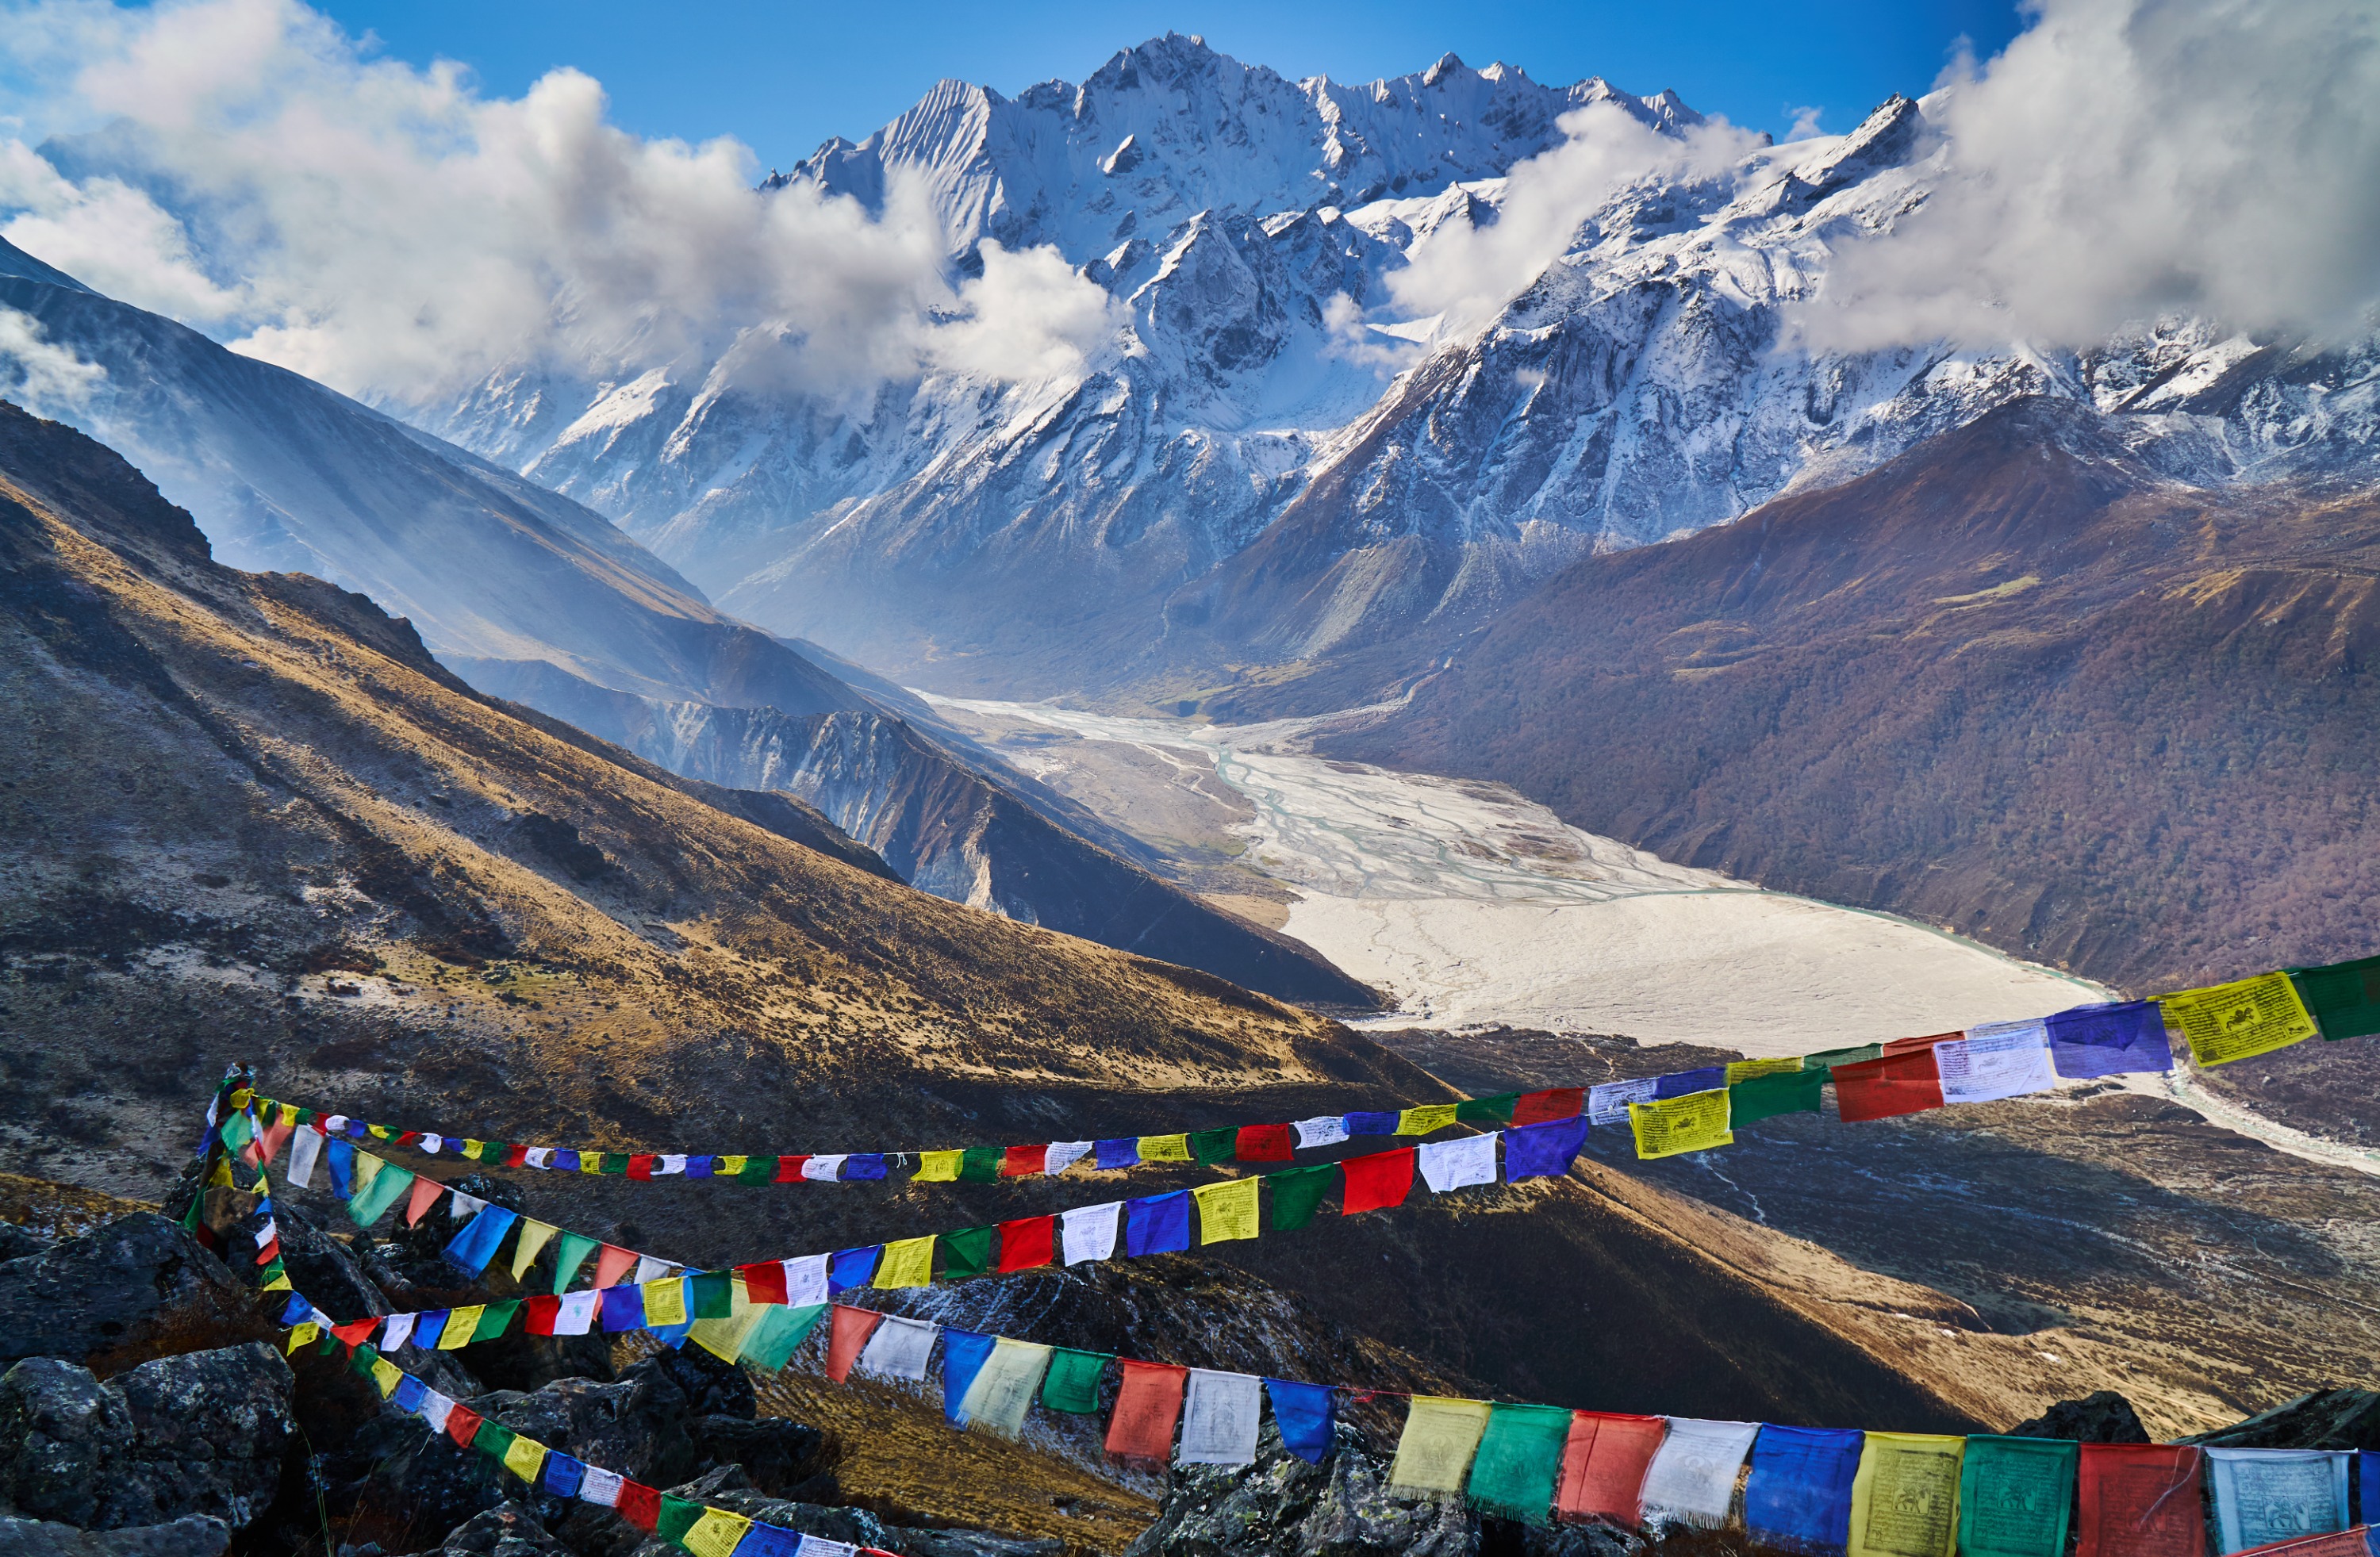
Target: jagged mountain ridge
<point>1227,483</point>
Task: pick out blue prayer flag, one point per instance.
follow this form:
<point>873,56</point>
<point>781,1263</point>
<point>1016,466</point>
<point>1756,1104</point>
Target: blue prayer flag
<point>624,1307</point>
<point>1303,1412</point>
<point>1158,1224</point>
<point>298,1309</point>
<point>427,1328</point>
<point>1122,1152</point>
<point>862,1165</point>
<point>1536,1150</point>
<point>852,1268</point>
<point>1799,1495</point>
<point>340,1158</point>
<point>700,1167</point>
<point>768,1541</point>
<point>2109,1040</point>
<point>964,1355</point>
<point>564,1159</point>
<point>1678,1084</point>
<point>1371,1124</point>
<point>2367,1488</point>
<point>410,1393</point>
<point>563,1475</point>
<point>476,1244</point>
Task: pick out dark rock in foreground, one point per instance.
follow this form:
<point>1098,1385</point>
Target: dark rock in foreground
<point>2324,1420</point>
<point>138,1288</point>
<point>2103,1417</point>
<point>196,1535</point>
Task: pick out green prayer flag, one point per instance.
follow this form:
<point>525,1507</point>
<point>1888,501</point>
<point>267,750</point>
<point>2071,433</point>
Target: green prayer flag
<point>495,1318</point>
<point>710,1295</point>
<point>2013,1496</point>
<point>613,1162</point>
<point>770,1343</point>
<point>493,1437</point>
<point>1496,1110</point>
<point>1218,1146</point>
<point>1296,1191</point>
<point>1073,1381</point>
<point>966,1252</point>
<point>390,1185</point>
<point>1519,1459</point>
<point>758,1170</point>
<point>980,1165</point>
<point>1779,1091</point>
<point>2344,996</point>
<point>572,1253</point>
<point>678,1517</point>
<point>366,1355</point>
<point>1829,1059</point>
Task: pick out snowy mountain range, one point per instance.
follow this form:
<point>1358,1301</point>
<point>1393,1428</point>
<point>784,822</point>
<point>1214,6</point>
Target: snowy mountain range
<point>1267,462</point>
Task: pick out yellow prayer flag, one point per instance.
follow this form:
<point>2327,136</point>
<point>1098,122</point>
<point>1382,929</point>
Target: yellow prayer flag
<point>289,1115</point>
<point>1745,1069</point>
<point>1427,1117</point>
<point>1164,1148</point>
<point>278,1283</point>
<point>723,1338</point>
<point>534,1236</point>
<point>239,1100</point>
<point>1696,1122</point>
<point>460,1323</point>
<point>471,1149</point>
<point>524,1458</point>
<point>2240,1019</point>
<point>590,1162</point>
<point>715,1534</point>
<point>731,1165</point>
<point>939,1167</point>
<point>366,1168</point>
<point>304,1335</point>
<point>1440,1436</point>
<point>1905,1496</point>
<point>906,1263</point>
<point>387,1375</point>
<point>221,1174</point>
<point>1226,1211</point>
<point>664,1301</point>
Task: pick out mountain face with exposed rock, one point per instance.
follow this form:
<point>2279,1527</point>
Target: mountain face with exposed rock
<point>1270,460</point>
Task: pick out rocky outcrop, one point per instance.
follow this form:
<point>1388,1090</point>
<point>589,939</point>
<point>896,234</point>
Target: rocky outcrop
<point>2103,1417</point>
<point>2322,1420</point>
<point>128,1291</point>
<point>194,1537</point>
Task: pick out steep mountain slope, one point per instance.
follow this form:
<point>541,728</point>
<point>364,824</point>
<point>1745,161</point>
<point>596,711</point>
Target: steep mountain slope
<point>247,816</point>
<point>1277,459</point>
<point>2013,682</point>
<point>531,597</point>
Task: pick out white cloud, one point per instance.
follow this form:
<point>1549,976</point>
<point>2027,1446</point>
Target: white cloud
<point>36,373</point>
<point>2126,159</point>
<point>392,232</point>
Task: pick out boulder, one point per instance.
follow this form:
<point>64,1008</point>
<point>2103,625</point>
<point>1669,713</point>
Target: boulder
<point>139,1287</point>
<point>194,1537</point>
<point>2104,1418</point>
<point>2324,1420</point>
<point>17,1240</point>
<point>198,1434</point>
<point>509,1529</point>
<point>1280,1507</point>
<point>776,1454</point>
<point>326,1269</point>
<point>711,1388</point>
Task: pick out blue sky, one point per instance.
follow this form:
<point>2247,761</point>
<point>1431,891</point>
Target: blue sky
<point>781,77</point>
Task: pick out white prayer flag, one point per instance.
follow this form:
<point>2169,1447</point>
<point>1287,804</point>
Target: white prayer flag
<point>1326,1129</point>
<point>600,1487</point>
<point>1064,1154</point>
<point>2005,1059</point>
<point>395,1331</point>
<point>336,1125</point>
<point>819,1546</point>
<point>1692,1479</point>
<point>824,1167</point>
<point>1002,1388</point>
<point>2263,1496</point>
<point>1608,1103</point>
<point>1088,1232</point>
<point>1458,1164</point>
<point>538,1156</point>
<point>435,1409</point>
<point>576,1315</point>
<point>305,1150</point>
<point>650,1269</point>
<point>460,1205</point>
<point>1221,1412</point>
<point>672,1162</point>
<point>805,1281</point>
<point>266,1233</point>
<point>899,1348</point>
<point>433,1144</point>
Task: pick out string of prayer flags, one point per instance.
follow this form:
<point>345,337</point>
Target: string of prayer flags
<point>1220,1416</point>
<point>1303,1413</point>
<point>1157,1225</point>
<point>2240,1019</point>
<point>1543,1150</point>
<point>1227,1210</point>
<point>1519,1461</point>
<point>1604,1463</point>
<point>1378,1180</point>
<point>1996,1061</point>
<point>1887,1086</point>
<point>1073,1383</point>
<point>2344,999</point>
<point>2266,1496</point>
<point>1461,1163</point>
<point>1905,1499</point>
<point>2015,1495</point>
<point>1140,1429</point>
<point>2113,1038</point>
<point>1002,1390</point>
<point>2139,1499</point>
<point>1798,1496</point>
<point>1692,1479</point>
<point>1434,1453</point>
<point>1690,1122</point>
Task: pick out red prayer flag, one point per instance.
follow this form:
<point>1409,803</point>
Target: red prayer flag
<point>1023,1162</point>
<point>1603,1465</point>
<point>1909,1083</point>
<point>424,1195</point>
<point>1146,1407</point>
<point>1028,1242</point>
<point>463,1425</point>
<point>1265,1143</point>
<point>763,1284</point>
<point>611,1262</point>
<point>1381,1178</point>
<point>408,1137</point>
<point>543,1308</point>
<point>356,1333</point>
<point>849,1329</point>
<point>1545,1107</point>
<point>640,1505</point>
<point>2338,1544</point>
<point>270,1252</point>
<point>789,1169</point>
<point>516,1156</point>
<point>2141,1500</point>
<point>641,1164</point>
<point>1907,1046</point>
